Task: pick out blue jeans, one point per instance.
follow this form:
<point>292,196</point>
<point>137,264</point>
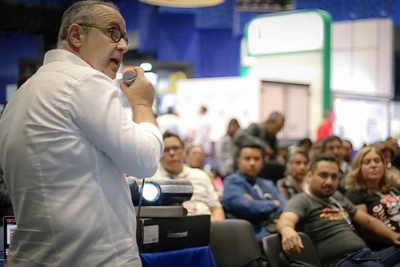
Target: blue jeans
<point>388,257</point>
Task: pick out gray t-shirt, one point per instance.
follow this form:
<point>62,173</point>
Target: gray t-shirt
<point>331,235</point>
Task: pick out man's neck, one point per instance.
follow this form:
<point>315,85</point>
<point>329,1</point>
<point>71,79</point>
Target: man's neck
<point>297,179</point>
<point>251,179</point>
<point>316,196</point>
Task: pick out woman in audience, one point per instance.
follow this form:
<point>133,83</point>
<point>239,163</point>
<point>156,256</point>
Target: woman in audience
<point>373,188</point>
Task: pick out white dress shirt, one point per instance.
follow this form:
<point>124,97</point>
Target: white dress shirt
<point>65,144</point>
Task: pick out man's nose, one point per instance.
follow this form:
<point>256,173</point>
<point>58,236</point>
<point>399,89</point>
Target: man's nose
<point>329,181</point>
<point>122,45</point>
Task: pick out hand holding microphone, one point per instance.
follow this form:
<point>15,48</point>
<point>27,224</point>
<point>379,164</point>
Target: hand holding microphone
<point>137,88</point>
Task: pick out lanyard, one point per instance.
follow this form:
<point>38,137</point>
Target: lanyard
<point>338,208</point>
<point>260,193</point>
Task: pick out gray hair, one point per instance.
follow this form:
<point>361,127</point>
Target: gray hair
<point>80,13</point>
<point>293,152</point>
<point>274,116</point>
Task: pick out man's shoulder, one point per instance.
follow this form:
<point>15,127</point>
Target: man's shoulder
<point>266,182</point>
<point>301,197</point>
<point>282,182</point>
<point>63,63</point>
<point>234,177</point>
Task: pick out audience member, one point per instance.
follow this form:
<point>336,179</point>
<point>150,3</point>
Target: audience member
<point>249,197</point>
<point>281,154</point>
<point>170,122</point>
<point>203,131</point>
<point>327,217</point>
<point>392,143</point>
<point>305,144</point>
<point>325,128</point>
<point>387,152</point>
<point>195,159</point>
<point>332,145</point>
<point>225,148</point>
<point>347,151</point>
<point>204,199</point>
<point>316,149</point>
<point>374,189</point>
<point>263,134</point>
<point>296,169</point>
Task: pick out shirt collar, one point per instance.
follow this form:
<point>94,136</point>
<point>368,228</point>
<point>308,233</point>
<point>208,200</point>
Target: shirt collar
<point>249,180</point>
<point>64,55</point>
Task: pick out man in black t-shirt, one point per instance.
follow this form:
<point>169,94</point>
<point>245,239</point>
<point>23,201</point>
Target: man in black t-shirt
<point>326,216</point>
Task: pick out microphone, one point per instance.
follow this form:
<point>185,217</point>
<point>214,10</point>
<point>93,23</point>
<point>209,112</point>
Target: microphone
<point>129,77</point>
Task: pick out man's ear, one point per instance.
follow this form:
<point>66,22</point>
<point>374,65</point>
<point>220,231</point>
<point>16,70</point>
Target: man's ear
<point>75,33</point>
<point>308,175</point>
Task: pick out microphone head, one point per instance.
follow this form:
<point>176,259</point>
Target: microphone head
<point>129,77</point>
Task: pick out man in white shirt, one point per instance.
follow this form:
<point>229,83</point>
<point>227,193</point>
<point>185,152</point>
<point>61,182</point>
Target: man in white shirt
<point>205,199</point>
<point>66,142</point>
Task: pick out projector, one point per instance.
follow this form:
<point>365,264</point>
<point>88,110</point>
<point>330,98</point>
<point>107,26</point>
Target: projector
<point>161,192</point>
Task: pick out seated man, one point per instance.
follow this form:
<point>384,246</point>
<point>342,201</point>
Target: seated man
<point>195,158</point>
<point>248,197</point>
<point>204,199</point>
<point>296,169</point>
<point>327,217</point>
<point>332,145</point>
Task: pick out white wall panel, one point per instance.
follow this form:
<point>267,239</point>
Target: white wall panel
<point>385,57</point>
<point>341,34</point>
<point>365,33</point>
<point>225,98</point>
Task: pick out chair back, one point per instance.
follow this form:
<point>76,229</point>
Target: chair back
<point>277,258</point>
<point>233,243</point>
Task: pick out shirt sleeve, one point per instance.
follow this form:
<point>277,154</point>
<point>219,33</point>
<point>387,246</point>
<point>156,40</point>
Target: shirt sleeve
<point>97,112</point>
<point>298,204</point>
<point>356,197</point>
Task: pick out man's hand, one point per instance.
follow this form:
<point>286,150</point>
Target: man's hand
<point>396,239</point>
<point>277,203</point>
<point>291,241</point>
<point>140,92</point>
<point>248,197</point>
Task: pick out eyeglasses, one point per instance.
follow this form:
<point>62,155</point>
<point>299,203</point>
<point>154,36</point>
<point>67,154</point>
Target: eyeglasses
<point>116,34</point>
<point>173,148</point>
